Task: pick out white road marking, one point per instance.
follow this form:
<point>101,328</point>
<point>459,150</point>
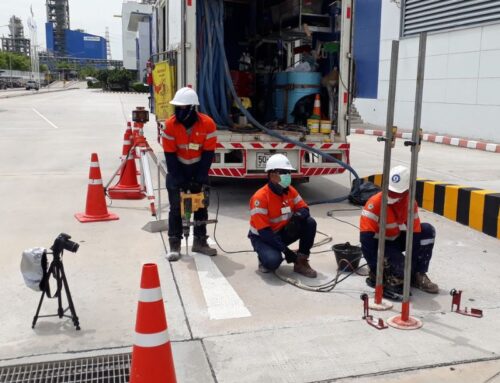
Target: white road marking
<point>221,299</point>
<point>45,118</point>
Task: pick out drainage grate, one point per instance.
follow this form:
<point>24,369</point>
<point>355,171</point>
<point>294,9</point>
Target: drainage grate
<point>102,369</point>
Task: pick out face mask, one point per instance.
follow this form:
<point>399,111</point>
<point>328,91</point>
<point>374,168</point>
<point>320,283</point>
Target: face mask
<point>392,201</point>
<point>182,114</point>
<point>285,180</point>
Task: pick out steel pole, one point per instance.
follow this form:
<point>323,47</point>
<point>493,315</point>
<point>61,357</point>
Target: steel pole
<point>415,147</point>
<point>391,99</point>
<point>10,68</point>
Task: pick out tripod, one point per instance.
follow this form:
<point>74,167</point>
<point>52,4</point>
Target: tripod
<point>56,269</point>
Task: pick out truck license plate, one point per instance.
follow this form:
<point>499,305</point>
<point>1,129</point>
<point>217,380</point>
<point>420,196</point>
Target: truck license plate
<point>262,158</point>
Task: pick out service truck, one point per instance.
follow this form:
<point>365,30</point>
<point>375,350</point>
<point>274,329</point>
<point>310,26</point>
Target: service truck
<point>262,42</point>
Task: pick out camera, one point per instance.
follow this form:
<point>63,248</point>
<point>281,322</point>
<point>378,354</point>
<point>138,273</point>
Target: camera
<point>140,114</point>
<point>63,242</point>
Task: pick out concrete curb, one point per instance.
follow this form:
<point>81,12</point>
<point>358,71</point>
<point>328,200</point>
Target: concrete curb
<point>473,207</point>
<point>37,93</point>
<point>446,140</point>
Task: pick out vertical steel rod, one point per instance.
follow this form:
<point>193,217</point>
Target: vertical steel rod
<point>405,312</point>
<point>387,167</point>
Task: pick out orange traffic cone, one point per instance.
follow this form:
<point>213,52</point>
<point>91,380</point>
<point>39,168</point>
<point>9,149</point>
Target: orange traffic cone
<point>127,186</point>
<point>95,209</point>
<point>127,144</point>
<point>127,140</point>
<point>317,107</point>
<point>152,354</point>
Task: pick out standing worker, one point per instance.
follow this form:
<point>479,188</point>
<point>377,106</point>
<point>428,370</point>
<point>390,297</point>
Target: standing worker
<point>189,141</point>
<point>278,217</point>
<point>397,217</point>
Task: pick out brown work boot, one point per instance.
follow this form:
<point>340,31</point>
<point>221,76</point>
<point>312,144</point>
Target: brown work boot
<point>200,245</point>
<point>301,266</point>
<point>422,282</point>
<point>175,249</point>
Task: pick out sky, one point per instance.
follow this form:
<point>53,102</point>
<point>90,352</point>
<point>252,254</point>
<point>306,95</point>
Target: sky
<point>93,16</point>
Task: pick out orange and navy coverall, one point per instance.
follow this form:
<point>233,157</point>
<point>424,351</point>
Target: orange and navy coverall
<point>395,244</point>
<point>272,209</point>
<point>189,154</point>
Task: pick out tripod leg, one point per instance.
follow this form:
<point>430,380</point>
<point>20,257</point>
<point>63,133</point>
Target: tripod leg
<point>35,318</point>
<point>74,317</point>
<point>60,310</point>
<point>148,183</point>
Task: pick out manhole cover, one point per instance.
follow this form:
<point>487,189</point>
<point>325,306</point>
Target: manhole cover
<point>106,368</point>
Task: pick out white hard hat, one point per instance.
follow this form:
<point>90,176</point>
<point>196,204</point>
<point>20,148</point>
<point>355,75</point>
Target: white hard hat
<point>185,96</point>
<point>399,179</point>
<point>278,161</point>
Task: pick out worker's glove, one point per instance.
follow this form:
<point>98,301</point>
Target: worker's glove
<point>195,187</point>
<point>201,179</point>
<point>290,256</point>
<point>302,213</point>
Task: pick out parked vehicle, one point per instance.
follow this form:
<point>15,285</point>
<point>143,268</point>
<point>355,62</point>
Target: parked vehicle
<point>262,53</point>
<point>32,84</point>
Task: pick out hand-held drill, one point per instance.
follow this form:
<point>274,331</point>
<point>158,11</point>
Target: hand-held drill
<point>191,203</point>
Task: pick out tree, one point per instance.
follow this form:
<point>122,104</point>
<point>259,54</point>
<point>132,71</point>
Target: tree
<point>14,61</point>
<point>44,68</point>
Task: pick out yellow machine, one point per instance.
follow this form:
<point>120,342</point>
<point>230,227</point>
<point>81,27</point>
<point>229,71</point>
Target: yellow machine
<point>191,203</point>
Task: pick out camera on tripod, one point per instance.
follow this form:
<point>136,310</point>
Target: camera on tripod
<point>63,242</point>
<point>140,114</point>
<point>37,273</point>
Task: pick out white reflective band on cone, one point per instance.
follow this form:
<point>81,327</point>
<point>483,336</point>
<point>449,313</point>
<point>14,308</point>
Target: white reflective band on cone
<point>150,295</point>
<point>127,143</point>
<point>94,164</point>
<point>151,340</point>
<point>95,182</point>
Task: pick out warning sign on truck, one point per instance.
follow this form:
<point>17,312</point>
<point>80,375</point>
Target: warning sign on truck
<point>164,89</point>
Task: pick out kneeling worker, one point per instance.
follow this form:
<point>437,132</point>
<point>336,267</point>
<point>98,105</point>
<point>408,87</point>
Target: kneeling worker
<point>397,217</point>
<point>278,217</point>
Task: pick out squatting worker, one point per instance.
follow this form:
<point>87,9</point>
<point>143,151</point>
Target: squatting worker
<point>189,141</point>
<point>278,217</point>
<point>397,219</point>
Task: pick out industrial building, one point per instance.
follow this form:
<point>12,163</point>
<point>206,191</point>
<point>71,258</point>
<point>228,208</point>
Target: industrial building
<point>64,42</point>
<point>136,35</point>
<point>16,42</point>
<point>462,70</point>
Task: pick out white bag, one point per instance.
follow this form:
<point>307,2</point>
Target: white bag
<point>32,267</point>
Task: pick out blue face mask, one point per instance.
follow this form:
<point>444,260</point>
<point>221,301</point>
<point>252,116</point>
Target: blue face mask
<point>285,180</point>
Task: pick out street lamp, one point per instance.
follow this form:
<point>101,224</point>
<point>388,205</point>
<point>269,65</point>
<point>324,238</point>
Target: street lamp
<point>10,60</point>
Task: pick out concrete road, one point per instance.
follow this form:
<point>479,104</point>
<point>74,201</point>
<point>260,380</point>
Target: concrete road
<point>56,86</point>
<point>227,322</point>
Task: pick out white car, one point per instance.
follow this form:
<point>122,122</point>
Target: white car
<point>31,84</point>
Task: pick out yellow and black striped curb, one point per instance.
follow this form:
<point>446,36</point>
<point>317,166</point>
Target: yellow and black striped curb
<point>474,207</point>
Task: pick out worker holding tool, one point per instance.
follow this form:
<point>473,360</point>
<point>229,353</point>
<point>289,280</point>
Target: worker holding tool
<point>397,215</point>
<point>189,141</point>
<point>278,217</point>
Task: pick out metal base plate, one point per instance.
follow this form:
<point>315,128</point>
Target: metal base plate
<point>411,324</point>
<point>382,306</point>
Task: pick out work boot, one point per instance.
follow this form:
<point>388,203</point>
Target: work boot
<point>371,280</point>
<point>422,282</point>
<point>394,284</point>
<point>200,245</point>
<point>301,266</point>
<point>175,249</point>
<point>262,269</point>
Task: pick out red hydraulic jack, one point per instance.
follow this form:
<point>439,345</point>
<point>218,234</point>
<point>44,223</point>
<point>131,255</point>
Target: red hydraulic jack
<point>378,324</point>
<point>455,301</point>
